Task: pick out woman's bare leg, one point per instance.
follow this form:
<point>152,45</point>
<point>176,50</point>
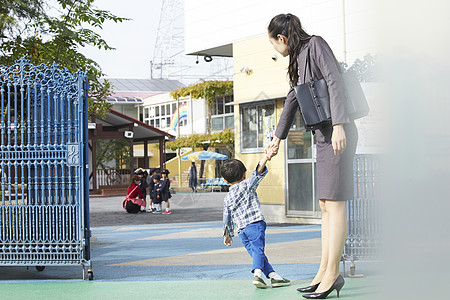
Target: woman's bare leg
<point>337,234</point>
<point>324,240</point>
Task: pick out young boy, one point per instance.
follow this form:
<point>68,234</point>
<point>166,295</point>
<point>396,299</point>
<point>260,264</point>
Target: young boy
<point>243,212</point>
<point>155,194</point>
<point>151,184</point>
<point>142,182</point>
<point>165,190</point>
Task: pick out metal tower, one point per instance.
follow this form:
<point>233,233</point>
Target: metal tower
<point>169,59</point>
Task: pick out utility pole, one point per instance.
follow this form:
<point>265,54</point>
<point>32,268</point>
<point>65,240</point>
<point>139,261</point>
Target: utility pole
<point>344,32</point>
<point>169,59</point>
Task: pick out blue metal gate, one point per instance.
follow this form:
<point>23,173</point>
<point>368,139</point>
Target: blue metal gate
<point>43,164</point>
<point>363,240</point>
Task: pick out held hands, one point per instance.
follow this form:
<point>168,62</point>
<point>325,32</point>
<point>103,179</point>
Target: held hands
<point>272,149</point>
<point>227,240</point>
<point>338,139</point>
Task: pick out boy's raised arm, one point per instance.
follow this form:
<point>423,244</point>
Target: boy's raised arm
<point>262,164</point>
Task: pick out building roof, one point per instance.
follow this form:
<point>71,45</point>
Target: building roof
<point>141,85</point>
<point>124,100</point>
<point>141,130</point>
<point>132,91</point>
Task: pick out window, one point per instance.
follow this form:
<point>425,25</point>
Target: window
<point>299,141</point>
<point>160,116</point>
<point>229,121</point>
<point>220,106</point>
<point>222,113</point>
<point>258,126</point>
<point>217,124</point>
<point>229,107</point>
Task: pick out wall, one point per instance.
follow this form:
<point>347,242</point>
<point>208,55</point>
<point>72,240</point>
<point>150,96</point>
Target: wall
<point>267,81</point>
<point>126,109</point>
<point>268,78</point>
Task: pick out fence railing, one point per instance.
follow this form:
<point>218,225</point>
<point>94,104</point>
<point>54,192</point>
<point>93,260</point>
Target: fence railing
<point>363,240</point>
<point>113,177</point>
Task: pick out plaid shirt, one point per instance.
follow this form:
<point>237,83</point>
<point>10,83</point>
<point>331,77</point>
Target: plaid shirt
<point>241,204</point>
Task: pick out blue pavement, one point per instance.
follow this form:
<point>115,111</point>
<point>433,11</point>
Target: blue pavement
<point>178,261</point>
<point>118,244</point>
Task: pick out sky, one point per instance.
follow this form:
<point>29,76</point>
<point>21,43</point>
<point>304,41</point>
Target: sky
<point>134,40</point>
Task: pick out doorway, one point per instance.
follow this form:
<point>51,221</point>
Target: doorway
<point>301,171</point>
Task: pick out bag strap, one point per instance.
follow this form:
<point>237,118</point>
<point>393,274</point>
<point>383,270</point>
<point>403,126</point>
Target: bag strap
<point>128,196</point>
<point>307,67</point>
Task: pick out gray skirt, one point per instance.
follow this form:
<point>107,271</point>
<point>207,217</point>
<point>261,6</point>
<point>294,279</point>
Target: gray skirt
<point>335,172</point>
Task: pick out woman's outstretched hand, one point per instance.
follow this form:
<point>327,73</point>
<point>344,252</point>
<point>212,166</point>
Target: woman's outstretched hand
<point>338,139</point>
<point>272,149</point>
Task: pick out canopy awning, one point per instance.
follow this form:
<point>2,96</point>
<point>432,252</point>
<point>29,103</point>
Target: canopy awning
<point>116,121</point>
<point>204,155</point>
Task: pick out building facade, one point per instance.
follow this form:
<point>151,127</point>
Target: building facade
<point>287,193</point>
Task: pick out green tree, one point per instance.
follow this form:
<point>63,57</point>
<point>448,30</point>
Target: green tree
<point>225,137</point>
<point>49,32</point>
<point>113,150</point>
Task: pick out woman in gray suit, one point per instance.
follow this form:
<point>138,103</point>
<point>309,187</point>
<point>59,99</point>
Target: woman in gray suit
<point>335,142</point>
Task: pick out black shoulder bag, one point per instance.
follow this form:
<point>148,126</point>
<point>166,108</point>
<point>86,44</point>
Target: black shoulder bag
<point>313,99</point>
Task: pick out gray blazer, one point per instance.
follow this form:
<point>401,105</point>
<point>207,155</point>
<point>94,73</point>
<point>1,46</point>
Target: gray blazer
<point>323,65</point>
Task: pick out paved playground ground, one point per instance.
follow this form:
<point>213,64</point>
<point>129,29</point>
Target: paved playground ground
<point>178,256</point>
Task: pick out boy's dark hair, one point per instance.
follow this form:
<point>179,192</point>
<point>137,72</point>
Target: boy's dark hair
<point>232,170</point>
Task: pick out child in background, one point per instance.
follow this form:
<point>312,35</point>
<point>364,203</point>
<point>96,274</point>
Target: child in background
<point>165,190</point>
<point>142,181</point>
<point>156,194</point>
<point>151,184</point>
<point>243,212</point>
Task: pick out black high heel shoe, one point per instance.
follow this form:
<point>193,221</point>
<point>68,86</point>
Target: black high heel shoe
<point>337,285</point>
<point>308,289</point>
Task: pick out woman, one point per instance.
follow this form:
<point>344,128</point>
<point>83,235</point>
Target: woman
<point>135,199</point>
<point>335,142</point>
<point>192,176</point>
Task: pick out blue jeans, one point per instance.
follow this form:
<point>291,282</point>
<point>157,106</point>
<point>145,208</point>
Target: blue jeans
<point>253,236</point>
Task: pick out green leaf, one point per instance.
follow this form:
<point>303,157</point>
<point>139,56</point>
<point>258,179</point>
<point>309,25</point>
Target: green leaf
<point>28,29</point>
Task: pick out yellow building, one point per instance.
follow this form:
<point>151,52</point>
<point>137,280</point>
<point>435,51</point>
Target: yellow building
<point>287,193</point>
<point>260,88</point>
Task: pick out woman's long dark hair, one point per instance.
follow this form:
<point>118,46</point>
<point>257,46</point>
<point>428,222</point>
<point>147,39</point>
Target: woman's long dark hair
<point>290,26</point>
<point>134,178</point>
